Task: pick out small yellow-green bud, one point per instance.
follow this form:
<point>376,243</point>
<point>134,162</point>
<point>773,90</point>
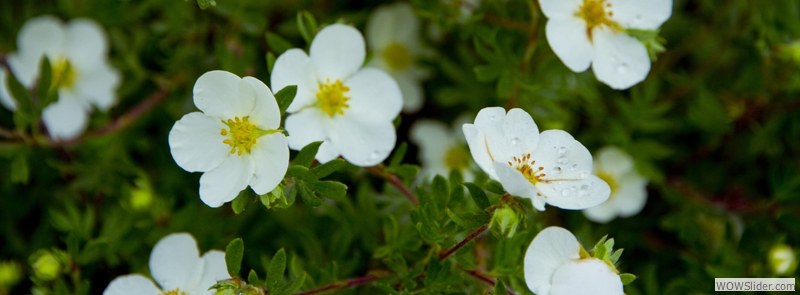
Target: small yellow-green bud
<point>10,274</point>
<point>505,222</point>
<point>141,195</point>
<point>48,264</point>
<point>782,259</point>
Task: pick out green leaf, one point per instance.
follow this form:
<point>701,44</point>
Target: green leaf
<point>252,278</point>
<point>440,187</point>
<point>486,73</point>
<point>295,285</point>
<point>627,278</point>
<point>308,195</point>
<point>206,3</point>
<point>72,244</point>
<point>331,189</point>
<point>307,25</point>
<point>242,200</point>
<point>277,43</point>
<point>406,171</point>
<point>234,253</point>
<point>499,288</point>
<point>328,168</point>
<point>478,195</point>
<point>276,268</point>
<point>615,256</point>
<point>270,61</point>
<point>45,80</point>
<point>600,242</point>
<point>495,187</point>
<point>601,252</point>
<point>20,170</point>
<point>307,154</point>
<point>469,220</point>
<point>285,96</point>
<point>399,154</point>
<point>24,114</point>
<point>609,245</point>
<point>297,171</point>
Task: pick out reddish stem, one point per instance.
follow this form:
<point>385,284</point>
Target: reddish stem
<point>485,279</point>
<point>342,284</point>
<point>466,240</point>
<point>395,181</point>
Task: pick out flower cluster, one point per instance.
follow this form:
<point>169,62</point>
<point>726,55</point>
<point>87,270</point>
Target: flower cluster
<point>628,192</point>
<point>80,71</point>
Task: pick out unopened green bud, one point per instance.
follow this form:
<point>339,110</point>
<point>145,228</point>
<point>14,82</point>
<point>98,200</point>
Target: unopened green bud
<point>275,198</point>
<point>782,259</point>
<point>48,265</point>
<point>141,195</point>
<point>10,274</point>
<point>505,222</point>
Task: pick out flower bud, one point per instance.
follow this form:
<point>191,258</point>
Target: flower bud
<point>10,274</point>
<point>48,265</point>
<point>782,259</point>
<point>505,221</point>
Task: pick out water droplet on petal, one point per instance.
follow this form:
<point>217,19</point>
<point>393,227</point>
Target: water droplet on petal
<point>585,173</point>
<point>375,155</point>
<point>515,141</point>
<point>584,190</point>
<point>562,150</point>
<point>622,68</point>
<point>556,171</point>
<point>565,192</point>
<point>574,166</point>
<point>563,160</point>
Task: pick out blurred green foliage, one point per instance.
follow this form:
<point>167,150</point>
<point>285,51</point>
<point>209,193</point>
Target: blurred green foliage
<point>715,128</point>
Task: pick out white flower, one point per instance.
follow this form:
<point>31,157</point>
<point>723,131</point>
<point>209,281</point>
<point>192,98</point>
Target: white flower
<point>553,266</point>
<point>235,139</point>
<point>551,167</point>
<point>177,267</point>
<point>584,32</point>
<point>348,108</point>
<point>78,53</point>
<point>441,149</point>
<point>393,34</point>
<point>628,188</point>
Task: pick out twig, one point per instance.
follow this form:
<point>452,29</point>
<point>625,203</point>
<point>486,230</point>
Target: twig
<point>508,23</point>
<point>466,240</point>
<point>341,284</point>
<point>379,170</point>
<point>485,279</point>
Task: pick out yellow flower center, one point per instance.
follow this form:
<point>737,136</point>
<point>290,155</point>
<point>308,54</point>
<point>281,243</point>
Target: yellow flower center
<point>331,99</point>
<point>533,175</point>
<point>243,134</point>
<point>612,182</point>
<point>457,158</point>
<point>397,56</point>
<point>175,292</point>
<point>62,74</point>
<point>595,14</point>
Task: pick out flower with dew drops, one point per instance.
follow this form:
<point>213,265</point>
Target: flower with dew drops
<point>177,267</point>
<point>348,108</point>
<point>235,140</point>
<point>393,34</point>
<point>551,167</point>
<point>441,149</point>
<point>628,188</point>
<point>594,32</point>
<point>78,55</point>
<point>556,265</point>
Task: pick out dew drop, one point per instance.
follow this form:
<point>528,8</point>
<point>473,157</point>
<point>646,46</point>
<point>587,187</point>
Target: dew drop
<point>584,190</point>
<point>374,155</point>
<point>574,166</point>
<point>515,141</point>
<point>563,160</point>
<point>585,173</point>
<point>565,192</point>
<point>556,171</point>
<point>562,150</point>
<point>622,68</point>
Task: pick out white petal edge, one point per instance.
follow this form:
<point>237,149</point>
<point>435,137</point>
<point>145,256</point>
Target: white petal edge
<point>214,269</point>
<point>549,250</point>
<point>337,52</point>
<point>85,43</point>
<point>43,35</point>
<point>265,113</point>
<point>365,140</point>
<point>620,61</point>
<point>131,285</point>
<point>5,96</point>
<point>632,195</point>
<point>196,144</point>
<point>569,41</point>
<point>294,67</point>
<point>65,119</point>
<point>392,23</point>
<point>98,86</point>
<point>175,262</point>
<point>575,194</point>
<point>587,276</point>
<point>602,213</point>
<point>521,133</point>
<point>219,94</point>
<point>223,183</point>
<point>307,126</point>
<point>559,8</point>
<point>613,161</point>
<point>641,14</point>
<point>373,91</point>
<point>514,182</point>
<point>433,140</point>
<point>271,157</point>
<point>561,156</point>
<point>413,95</point>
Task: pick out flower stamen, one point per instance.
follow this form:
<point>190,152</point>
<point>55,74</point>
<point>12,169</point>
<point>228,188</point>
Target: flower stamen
<point>331,99</point>
<point>397,56</point>
<point>597,13</point>
<point>63,74</point>
<point>243,135</point>
<point>175,292</point>
<point>521,164</point>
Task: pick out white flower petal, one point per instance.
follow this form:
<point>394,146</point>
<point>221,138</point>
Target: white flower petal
<point>514,182</point>
<point>43,35</point>
<point>294,67</point>
<point>575,194</point>
<point>560,8</point>
<point>131,285</point>
<point>372,91</point>
<point>271,156</point>
<point>196,144</point>
<point>620,61</point>
<point>413,95</point>
<point>569,41</point>
<point>214,269</point>
<point>307,126</point>
<point>365,140</point>
<point>641,14</point>
<point>265,113</point>
<point>631,196</point>
<point>587,276</point>
<point>337,52</point>
<point>328,151</point>
<point>550,249</point>
<point>561,156</point>
<point>220,94</point>
<point>24,66</point>
<point>613,161</point>
<point>85,43</point>
<point>602,213</point>
<point>521,133</point>
<point>392,23</point>
<point>5,96</point>
<point>485,139</point>
<point>175,262</point>
<point>433,140</point>
<point>223,183</point>
<point>98,86</point>
<point>66,118</point>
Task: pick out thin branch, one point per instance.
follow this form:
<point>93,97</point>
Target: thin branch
<point>466,240</point>
<point>485,279</point>
<point>341,284</point>
<point>380,170</point>
<point>508,23</point>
